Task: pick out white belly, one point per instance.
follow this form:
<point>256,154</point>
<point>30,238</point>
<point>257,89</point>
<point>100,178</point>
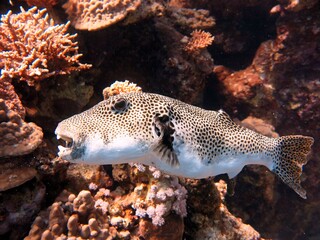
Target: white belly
<point>190,166</point>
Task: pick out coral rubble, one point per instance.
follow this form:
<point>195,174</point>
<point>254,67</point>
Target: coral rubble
<point>33,48</point>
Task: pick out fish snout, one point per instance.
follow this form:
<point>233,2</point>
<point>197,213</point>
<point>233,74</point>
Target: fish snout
<point>68,142</point>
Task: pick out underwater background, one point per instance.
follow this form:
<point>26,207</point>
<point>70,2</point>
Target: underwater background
<point>256,60</point>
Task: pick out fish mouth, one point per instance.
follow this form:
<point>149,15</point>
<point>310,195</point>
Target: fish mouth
<point>65,139</point>
<point>66,145</point>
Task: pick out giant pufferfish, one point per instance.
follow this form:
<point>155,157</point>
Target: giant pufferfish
<point>177,138</point>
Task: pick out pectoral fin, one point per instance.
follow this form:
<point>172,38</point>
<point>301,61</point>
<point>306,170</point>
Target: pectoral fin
<point>163,148</point>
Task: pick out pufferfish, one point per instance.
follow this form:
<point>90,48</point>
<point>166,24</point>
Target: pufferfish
<point>177,138</point>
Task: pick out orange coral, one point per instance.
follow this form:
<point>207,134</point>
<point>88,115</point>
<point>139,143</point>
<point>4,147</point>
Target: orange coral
<point>199,40</point>
<point>240,84</point>
<point>33,48</point>
<point>97,14</point>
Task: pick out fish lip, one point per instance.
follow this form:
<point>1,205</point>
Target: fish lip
<point>64,137</point>
<point>68,139</point>
<point>65,151</point>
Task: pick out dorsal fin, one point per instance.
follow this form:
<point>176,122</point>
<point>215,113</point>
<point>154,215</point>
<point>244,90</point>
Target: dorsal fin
<point>163,148</point>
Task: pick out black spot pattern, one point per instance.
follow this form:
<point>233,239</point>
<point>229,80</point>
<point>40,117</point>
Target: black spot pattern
<point>212,135</point>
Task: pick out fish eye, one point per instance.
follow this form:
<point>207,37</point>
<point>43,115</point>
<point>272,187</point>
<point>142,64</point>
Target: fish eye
<point>120,104</point>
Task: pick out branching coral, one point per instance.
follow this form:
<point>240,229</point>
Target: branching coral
<point>163,195</point>
<point>33,48</point>
<point>120,87</point>
<point>199,40</point>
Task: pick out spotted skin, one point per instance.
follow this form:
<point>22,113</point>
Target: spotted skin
<point>177,138</point>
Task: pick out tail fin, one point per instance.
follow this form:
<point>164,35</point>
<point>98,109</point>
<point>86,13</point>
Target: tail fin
<point>290,157</point>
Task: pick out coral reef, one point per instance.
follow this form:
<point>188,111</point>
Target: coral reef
<point>240,84</point>
<point>191,18</point>
<point>260,126</point>
<point>120,87</point>
<point>10,98</point>
<point>48,106</point>
<point>81,177</point>
<point>13,175</point>
<point>17,136</point>
<point>123,213</point>
<point>266,55</point>
<point>33,48</point>
<point>199,40</point>
<point>186,73</point>
<point>97,14</point>
<point>148,207</point>
<point>209,216</point>
<point>21,197</point>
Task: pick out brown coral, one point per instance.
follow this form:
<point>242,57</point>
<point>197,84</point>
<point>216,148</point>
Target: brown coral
<point>17,136</point>
<point>10,98</point>
<point>209,217</point>
<point>12,176</point>
<point>260,126</point>
<point>97,14</point>
<point>127,212</point>
<point>241,84</point>
<point>33,48</point>
<point>199,40</point>
<point>191,18</point>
